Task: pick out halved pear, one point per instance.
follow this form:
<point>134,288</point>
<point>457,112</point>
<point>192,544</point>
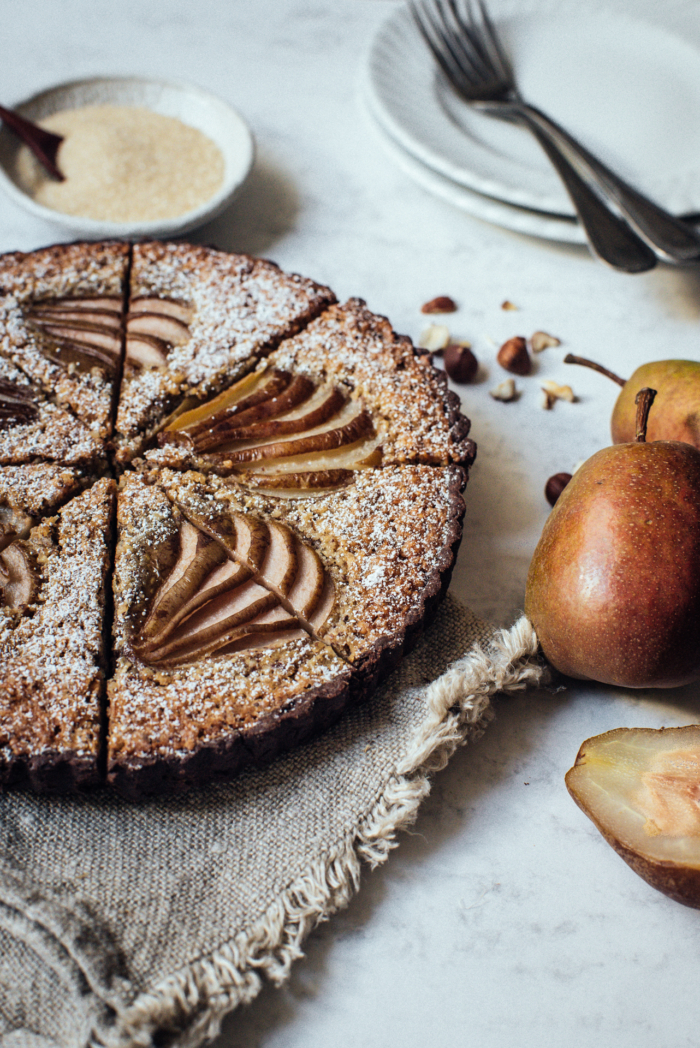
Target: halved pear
<point>190,417</point>
<point>641,788</point>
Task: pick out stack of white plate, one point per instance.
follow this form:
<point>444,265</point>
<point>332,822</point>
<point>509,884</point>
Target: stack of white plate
<point>621,75</point>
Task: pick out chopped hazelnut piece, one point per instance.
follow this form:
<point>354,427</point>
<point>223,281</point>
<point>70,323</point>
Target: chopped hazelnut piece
<point>508,305</point>
<point>441,304</point>
<point>541,340</point>
<point>434,338</point>
<point>505,390</point>
<point>557,392</point>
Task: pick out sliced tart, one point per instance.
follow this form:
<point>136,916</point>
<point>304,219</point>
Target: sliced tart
<point>61,323</point>
<point>198,320</point>
<point>52,607</point>
<point>213,668</point>
<point>345,394</point>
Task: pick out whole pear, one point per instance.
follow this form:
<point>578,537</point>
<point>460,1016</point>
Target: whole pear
<point>676,414</point>
<point>613,589</point>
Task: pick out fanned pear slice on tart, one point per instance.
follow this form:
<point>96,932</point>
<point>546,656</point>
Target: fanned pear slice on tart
<point>52,608</point>
<point>61,323</point>
<point>345,394</point>
<point>198,320</point>
<point>212,671</point>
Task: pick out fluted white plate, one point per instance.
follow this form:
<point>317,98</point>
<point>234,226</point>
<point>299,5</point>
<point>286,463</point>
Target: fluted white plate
<point>188,103</point>
<point>622,75</point>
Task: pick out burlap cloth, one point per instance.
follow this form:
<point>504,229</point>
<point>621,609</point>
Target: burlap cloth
<point>126,924</point>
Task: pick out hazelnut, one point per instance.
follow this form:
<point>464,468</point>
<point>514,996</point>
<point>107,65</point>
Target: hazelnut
<point>460,363</point>
<point>505,391</point>
<point>555,485</point>
<point>508,305</point>
<point>441,304</point>
<point>541,340</point>
<point>513,356</point>
<point>434,338</point>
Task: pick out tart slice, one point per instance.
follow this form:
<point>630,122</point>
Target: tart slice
<point>213,668</point>
<point>199,319</point>
<point>29,493</point>
<point>345,394</point>
<point>52,605</point>
<point>61,323</point>
<point>33,429</point>
<point>387,543</point>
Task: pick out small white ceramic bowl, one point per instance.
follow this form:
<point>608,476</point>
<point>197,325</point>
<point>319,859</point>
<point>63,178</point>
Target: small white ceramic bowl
<point>187,103</point>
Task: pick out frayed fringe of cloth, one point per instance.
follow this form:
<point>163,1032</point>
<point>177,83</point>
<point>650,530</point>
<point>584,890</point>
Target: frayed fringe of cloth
<point>191,1004</point>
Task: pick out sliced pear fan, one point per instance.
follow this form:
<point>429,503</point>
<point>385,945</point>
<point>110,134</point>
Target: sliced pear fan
<point>83,331</point>
<point>641,788</point>
<point>235,583</point>
<point>284,424</point>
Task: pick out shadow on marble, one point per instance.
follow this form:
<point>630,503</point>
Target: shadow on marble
<point>266,210</point>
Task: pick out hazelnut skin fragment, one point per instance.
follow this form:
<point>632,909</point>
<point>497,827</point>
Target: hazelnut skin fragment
<point>441,304</point>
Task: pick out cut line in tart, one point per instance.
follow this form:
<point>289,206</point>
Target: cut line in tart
<point>288,512</point>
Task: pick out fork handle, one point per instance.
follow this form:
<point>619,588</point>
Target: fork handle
<point>668,235</point>
<point>609,236</point>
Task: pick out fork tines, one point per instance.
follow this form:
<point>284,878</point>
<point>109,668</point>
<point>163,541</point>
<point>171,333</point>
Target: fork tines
<point>465,45</point>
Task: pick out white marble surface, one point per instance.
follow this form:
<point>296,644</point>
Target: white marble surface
<point>503,919</point>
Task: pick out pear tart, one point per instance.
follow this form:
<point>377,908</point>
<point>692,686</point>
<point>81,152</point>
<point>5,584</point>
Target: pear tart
<point>287,516</point>
<point>60,323</point>
<point>52,596</point>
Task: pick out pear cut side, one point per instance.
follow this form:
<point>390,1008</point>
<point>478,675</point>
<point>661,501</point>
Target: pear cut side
<point>641,788</point>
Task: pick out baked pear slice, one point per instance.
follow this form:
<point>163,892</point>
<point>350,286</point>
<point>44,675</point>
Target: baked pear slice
<point>641,789</point>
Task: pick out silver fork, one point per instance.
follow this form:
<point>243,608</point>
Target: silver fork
<point>466,46</point>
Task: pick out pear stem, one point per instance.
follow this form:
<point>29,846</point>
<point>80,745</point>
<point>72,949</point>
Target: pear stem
<point>571,359</point>
<point>643,400</point>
